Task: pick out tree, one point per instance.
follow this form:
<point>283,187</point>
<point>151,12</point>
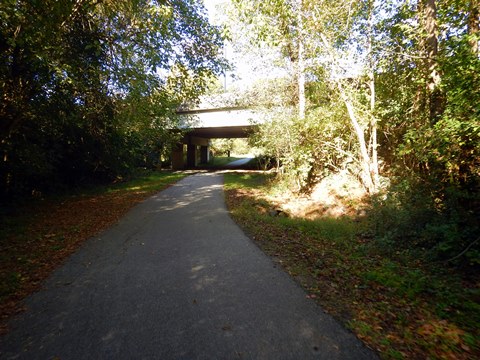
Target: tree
<point>426,93</point>
<point>427,13</point>
<point>279,23</point>
<point>89,88</point>
<point>317,30</point>
<point>474,25</point>
<point>404,76</point>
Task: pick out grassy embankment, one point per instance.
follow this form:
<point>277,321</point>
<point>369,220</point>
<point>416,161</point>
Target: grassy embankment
<point>38,236</point>
<point>399,305</point>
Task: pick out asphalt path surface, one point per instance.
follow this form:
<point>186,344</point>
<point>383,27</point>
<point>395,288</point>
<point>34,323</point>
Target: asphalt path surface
<point>175,279</point>
<point>239,162</point>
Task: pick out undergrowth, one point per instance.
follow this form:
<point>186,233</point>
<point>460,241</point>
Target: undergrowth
<point>398,302</point>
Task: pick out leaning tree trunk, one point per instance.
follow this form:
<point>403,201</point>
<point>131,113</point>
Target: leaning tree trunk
<point>365,160</point>
<point>367,175</point>
<point>300,62</point>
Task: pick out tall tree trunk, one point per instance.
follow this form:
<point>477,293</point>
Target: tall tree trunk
<point>474,25</point>
<point>300,62</point>
<point>428,15</point>
<point>371,77</point>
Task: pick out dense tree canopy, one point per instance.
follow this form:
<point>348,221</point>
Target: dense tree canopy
<point>89,88</point>
<point>392,96</point>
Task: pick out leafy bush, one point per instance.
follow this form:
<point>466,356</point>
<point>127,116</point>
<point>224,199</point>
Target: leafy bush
<point>308,149</point>
<point>411,215</point>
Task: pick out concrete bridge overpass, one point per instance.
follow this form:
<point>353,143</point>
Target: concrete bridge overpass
<point>215,123</point>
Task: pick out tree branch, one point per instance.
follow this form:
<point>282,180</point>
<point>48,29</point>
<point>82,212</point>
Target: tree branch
<point>464,251</point>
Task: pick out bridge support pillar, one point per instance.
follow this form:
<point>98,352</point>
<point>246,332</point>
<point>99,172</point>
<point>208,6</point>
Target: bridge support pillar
<point>190,152</point>
<point>177,157</point>
<point>204,154</point>
<point>191,155</point>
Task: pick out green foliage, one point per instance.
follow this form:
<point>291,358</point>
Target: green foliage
<point>433,162</point>
<point>90,89</point>
<point>421,100</point>
<point>410,283</point>
<point>244,181</point>
<point>399,303</point>
<point>227,150</point>
<point>270,22</point>
<point>412,215</point>
<point>222,147</point>
<point>311,148</point>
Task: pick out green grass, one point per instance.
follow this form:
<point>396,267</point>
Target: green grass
<point>246,181</point>
<point>398,304</point>
<point>149,182</point>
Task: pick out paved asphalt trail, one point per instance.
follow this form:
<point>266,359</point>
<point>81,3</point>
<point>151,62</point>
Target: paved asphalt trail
<point>175,279</point>
<point>238,163</point>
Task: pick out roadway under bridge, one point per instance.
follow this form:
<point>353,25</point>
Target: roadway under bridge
<point>217,123</point>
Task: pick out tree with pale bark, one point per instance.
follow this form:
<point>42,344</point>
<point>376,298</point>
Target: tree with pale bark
<point>405,78</point>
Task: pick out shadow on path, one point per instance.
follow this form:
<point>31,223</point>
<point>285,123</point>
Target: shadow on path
<point>175,279</point>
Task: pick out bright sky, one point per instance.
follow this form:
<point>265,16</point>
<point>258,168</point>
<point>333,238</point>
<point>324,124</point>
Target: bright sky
<point>215,18</point>
<point>252,67</point>
<point>210,5</point>
<point>248,68</point>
